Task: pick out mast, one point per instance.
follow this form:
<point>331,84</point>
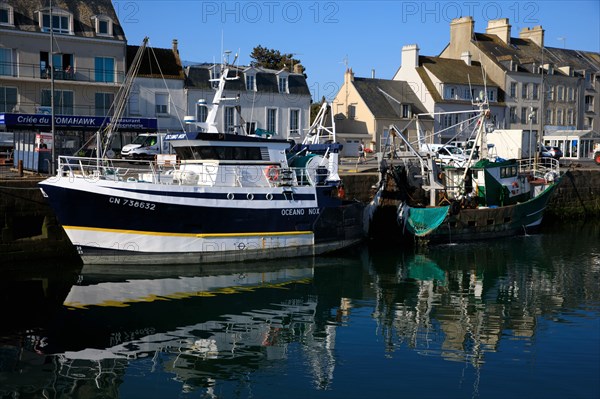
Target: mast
<point>51,61</point>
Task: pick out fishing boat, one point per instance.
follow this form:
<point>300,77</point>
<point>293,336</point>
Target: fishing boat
<point>220,196</point>
<point>485,197</point>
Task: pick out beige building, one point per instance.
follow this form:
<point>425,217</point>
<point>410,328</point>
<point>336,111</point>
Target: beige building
<point>450,90</point>
<point>544,88</point>
<point>364,109</point>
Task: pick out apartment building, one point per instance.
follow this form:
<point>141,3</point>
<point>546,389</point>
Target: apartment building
<point>546,89</point>
<point>447,87</point>
<point>276,103</point>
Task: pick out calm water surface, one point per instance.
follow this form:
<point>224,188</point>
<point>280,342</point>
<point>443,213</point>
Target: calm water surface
<point>518,318</point>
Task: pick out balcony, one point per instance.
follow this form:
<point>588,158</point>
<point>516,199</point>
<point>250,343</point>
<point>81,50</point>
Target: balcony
<point>33,71</point>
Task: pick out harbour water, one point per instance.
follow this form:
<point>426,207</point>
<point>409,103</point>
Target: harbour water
<point>518,318</point>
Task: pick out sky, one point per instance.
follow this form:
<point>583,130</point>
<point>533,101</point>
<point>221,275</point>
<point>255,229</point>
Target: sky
<point>330,36</point>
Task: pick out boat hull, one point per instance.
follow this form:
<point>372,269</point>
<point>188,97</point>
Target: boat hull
<point>489,223</point>
<point>131,223</point>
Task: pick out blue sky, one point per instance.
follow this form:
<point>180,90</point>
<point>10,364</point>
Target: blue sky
<point>328,35</point>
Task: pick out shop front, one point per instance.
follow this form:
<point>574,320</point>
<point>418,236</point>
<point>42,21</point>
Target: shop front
<point>74,135</point>
<point>574,144</point>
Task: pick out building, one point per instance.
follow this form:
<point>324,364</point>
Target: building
<point>277,102</point>
<point>77,47</point>
<point>448,86</point>
<point>158,87</point>
<point>545,88</point>
<point>364,109</point>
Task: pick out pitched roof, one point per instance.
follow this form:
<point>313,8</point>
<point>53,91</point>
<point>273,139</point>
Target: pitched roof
<point>449,70</point>
<point>266,79</point>
<point>156,62</point>
<point>26,17</point>
<point>381,96</point>
<point>525,54</point>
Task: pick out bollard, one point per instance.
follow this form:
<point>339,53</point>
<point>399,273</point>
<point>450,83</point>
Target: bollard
<point>20,168</point>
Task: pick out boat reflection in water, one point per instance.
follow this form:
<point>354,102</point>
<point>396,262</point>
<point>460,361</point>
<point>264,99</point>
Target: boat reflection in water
<point>322,324</point>
<point>201,323</point>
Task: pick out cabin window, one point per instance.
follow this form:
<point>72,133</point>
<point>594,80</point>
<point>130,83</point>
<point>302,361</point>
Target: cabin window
<point>220,153</point>
<point>508,171</point>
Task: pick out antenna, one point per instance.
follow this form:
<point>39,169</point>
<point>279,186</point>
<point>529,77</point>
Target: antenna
<point>562,39</point>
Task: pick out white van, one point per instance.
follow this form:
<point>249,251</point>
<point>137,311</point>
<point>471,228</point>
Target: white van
<point>146,146</point>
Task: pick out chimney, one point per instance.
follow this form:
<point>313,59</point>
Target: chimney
<point>499,27</point>
<point>298,68</point>
<point>373,73</point>
<point>535,34</point>
<point>410,56</point>
<point>461,33</point>
<point>349,76</point>
<point>175,49</point>
<point>466,57</point>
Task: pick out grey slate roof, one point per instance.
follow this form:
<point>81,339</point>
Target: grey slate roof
<point>156,62</point>
<point>26,19</point>
<point>381,105</point>
<point>525,54</point>
<point>197,76</point>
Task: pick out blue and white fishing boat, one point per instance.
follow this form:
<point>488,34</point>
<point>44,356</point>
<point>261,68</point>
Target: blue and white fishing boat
<point>219,197</point>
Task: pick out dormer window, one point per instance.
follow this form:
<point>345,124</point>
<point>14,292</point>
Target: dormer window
<point>6,15</point>
<point>62,21</point>
<point>103,25</point>
<point>283,84</point>
<point>250,82</point>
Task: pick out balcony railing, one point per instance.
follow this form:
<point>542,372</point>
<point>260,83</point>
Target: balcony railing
<point>35,71</point>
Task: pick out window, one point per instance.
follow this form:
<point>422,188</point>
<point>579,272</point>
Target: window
<point>550,93</point>
<point>405,111</point>
<point>6,15</point>
<point>524,90</point>
<point>524,119</point>
<point>229,119</point>
<point>8,99</point>
<point>549,116</point>
<point>61,22</point>
<point>351,111</point>
<point>105,69</point>
<point>272,120</point>
<point>491,96</point>
<point>283,84</point>
<point>559,117</point>
<point>250,127</point>
<point>589,103</point>
<point>8,66</point>
<point>161,102</point>
<point>103,103</point>
<point>250,83</point>
<point>134,100</point>
<point>201,113</point>
<point>294,122</point>
<point>103,25</point>
<point>570,117</point>
<point>571,94</point>
<point>214,77</point>
<point>513,115</point>
<point>450,92</point>
<point>63,101</point>
<point>535,91</point>
<point>513,89</point>
<point>62,63</point>
<point>534,115</point>
<point>560,93</point>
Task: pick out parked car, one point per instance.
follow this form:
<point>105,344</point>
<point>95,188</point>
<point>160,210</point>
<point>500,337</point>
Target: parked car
<point>550,152</point>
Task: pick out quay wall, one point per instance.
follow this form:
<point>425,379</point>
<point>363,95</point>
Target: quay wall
<point>29,229</point>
